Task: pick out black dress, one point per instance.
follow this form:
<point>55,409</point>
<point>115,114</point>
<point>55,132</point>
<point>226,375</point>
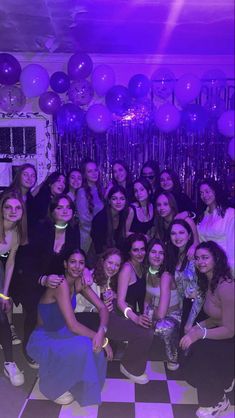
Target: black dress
<point>99,233</point>
<point>138,226</point>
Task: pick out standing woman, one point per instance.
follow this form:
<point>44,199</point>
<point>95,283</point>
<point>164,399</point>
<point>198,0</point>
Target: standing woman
<point>89,201</point>
<point>150,171</point>
<point>141,213</point>
<point>121,177</point>
<point>74,183</point>
<point>183,270</point>
<point>211,367</point>
<point>108,225</point>
<point>217,222</point>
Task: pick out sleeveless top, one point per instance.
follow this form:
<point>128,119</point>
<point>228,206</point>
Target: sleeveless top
<point>136,294</point>
<point>139,226</point>
<point>51,315</point>
<point>155,292</point>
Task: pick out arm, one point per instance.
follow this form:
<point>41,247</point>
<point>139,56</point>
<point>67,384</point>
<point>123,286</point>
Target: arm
<point>165,294</point>
<point>10,264</point>
<point>230,234</point>
<point>129,220</point>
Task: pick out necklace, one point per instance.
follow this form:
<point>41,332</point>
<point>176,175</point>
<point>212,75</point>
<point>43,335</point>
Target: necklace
<point>153,271</point>
<point>61,226</point>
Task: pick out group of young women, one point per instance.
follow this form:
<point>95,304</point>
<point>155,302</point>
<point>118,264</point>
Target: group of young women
<point>141,254</point>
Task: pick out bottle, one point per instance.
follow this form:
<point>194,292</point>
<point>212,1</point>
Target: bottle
<point>150,310</point>
<point>108,291</point>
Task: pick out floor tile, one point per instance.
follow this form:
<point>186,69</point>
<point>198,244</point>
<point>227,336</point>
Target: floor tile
<point>40,408</point>
<point>153,410</point>
<point>113,370</point>
<point>184,411</point>
<point>181,392</point>
<point>116,410</point>
<point>118,390</point>
<point>156,370</point>
<point>36,394</point>
<point>154,391</point>
<point>75,411</point>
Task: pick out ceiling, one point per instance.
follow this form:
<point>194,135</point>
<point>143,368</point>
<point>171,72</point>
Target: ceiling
<point>118,26</point>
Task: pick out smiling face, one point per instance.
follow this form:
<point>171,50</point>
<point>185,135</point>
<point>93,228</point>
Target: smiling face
<point>12,210</point>
<point>117,201</point>
<point>141,194</point>
<point>112,265</point>
<point>156,256</point>
<point>204,262</point>
<point>207,195</point>
<point>75,180</point>
<point>179,236</point>
<point>75,265</point>
<point>166,182</point>
<point>28,178</point>
<point>91,172</point>
<point>58,186</point>
<point>137,252</point>
<point>119,173</point>
<point>163,206</point>
<point>63,212</point>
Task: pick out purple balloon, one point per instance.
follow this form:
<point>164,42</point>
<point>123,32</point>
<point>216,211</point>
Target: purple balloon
<point>69,118</point>
<point>226,123</point>
<point>12,99</point>
<point>187,88</point>
<point>98,118</point>
<point>215,106</point>
<point>59,82</point>
<point>118,99</point>
<point>194,118</point>
<point>81,92</point>
<point>10,69</point>
<point>79,66</point>
<point>167,117</point>
<point>103,78</point>
<point>34,80</point>
<point>214,78</point>
<point>49,102</point>
<point>139,86</point>
<point>232,102</point>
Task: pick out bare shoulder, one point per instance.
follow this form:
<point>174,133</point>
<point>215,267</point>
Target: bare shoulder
<point>126,268</point>
<point>166,278</point>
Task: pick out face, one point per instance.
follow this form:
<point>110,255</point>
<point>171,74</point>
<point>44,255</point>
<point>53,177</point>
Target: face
<point>92,173</point>
<point>112,265</point>
<point>28,178</point>
<point>75,265</point>
<point>204,261</point>
<point>117,201</point>
<point>138,251</point>
<point>75,180</point>
<point>12,210</point>
<point>119,173</point>
<point>207,194</point>
<point>163,207</point>
<point>148,174</point>
<point>63,213</point>
<point>156,256</point>
<point>166,182</point>
<point>141,194</point>
<point>179,236</point>
<point>59,186</point>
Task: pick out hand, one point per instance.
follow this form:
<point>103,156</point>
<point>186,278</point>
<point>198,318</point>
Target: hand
<point>5,305</point>
<point>87,277</point>
<point>144,321</point>
<point>109,352</point>
<point>98,341</point>
<point>187,328</point>
<point>191,337</point>
<point>54,280</point>
<point>191,252</point>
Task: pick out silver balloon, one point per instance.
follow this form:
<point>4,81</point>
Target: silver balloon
<point>12,99</point>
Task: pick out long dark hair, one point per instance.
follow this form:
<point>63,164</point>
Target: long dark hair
<point>221,272</point>
<point>155,167</point>
<point>122,217</point>
<point>130,241</point>
<point>175,179</point>
<point>16,183</point>
<point>156,241</point>
<point>53,205</point>
<point>220,198</point>
<point>160,229</point>
<point>99,275</point>
<point>173,251</point>
<point>145,183</point>
<point>126,168</point>
<point>87,188</point>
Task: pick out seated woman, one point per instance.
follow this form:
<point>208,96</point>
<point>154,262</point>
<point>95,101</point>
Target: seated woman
<point>162,298</point>
<point>72,365</point>
<point>210,368</point>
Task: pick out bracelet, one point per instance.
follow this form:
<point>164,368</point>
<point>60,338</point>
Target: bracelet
<point>126,310</point>
<point>4,297</point>
<point>106,341</point>
<point>203,329</point>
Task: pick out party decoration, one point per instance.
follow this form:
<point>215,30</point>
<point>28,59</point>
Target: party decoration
<point>49,102</point>
<point>215,106</point>
<point>12,99</point>
<point>59,82</point>
<point>81,92</point>
<point>98,118</point>
<point>10,69</point>
<point>231,148</point>
<point>69,118</point>
<point>167,117</point>
<point>187,88</point>
<point>118,99</point>
<point>139,86</point>
<point>103,78</point>
<point>214,78</point>
<point>34,80</point>
<point>226,123</point>
<point>194,118</point>
<point>232,102</point>
<point>163,82</point>
<point>79,66</point>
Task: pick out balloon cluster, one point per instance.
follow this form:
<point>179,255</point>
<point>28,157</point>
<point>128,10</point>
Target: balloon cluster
<point>82,84</point>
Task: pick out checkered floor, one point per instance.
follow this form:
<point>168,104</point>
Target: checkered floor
<point>165,396</point>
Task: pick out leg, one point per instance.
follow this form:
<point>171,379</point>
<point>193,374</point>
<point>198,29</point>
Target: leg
<point>5,337</point>
<point>168,331</point>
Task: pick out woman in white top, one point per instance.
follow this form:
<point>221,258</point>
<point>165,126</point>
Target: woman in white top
<point>217,222</point>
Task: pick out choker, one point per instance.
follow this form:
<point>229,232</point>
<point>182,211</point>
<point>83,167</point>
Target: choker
<point>61,226</point>
<point>153,271</point>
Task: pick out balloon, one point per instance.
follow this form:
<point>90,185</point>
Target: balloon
<point>231,148</point>
<point>12,99</point>
<point>69,118</point>
<point>81,92</point>
<point>34,80</point>
<point>167,117</point>
<point>194,118</point>
<point>163,82</point>
<point>214,78</point>
<point>49,102</point>
<point>79,66</point>
<point>98,118</point>
<point>187,88</point>
<point>232,102</point>
<point>139,86</point>
<point>226,123</point>
<point>118,99</point>
<point>103,78</point>
<point>59,82</point>
<point>215,106</point>
<point>10,69</point>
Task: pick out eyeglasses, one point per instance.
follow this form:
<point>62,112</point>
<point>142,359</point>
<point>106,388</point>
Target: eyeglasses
<point>148,177</point>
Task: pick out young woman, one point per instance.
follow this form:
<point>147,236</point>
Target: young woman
<point>217,222</point>
<point>74,183</point>
<point>141,214</point>
<point>169,182</point>
<point>162,297</point>
<point>150,171</point>
<point>183,269</point>
<point>121,177</point>
<point>89,201</point>
<point>71,359</point>
<point>212,341</point>
<point>108,225</point>
<point>12,234</point>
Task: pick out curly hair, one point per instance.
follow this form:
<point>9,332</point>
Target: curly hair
<point>99,275</point>
<point>173,251</point>
<point>87,188</point>
<point>221,271</point>
<point>160,230</point>
<point>21,225</point>
<point>221,198</point>
<point>175,179</point>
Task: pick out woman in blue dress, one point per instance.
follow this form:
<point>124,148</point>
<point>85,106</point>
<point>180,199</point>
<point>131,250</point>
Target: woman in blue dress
<point>72,365</point>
